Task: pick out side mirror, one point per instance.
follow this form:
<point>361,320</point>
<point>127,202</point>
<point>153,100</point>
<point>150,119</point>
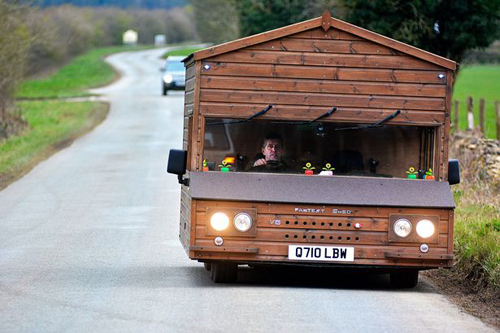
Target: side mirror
<point>453,172</point>
<point>177,162</point>
<point>161,69</point>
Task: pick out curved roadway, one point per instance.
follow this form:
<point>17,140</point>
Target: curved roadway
<point>89,243</point>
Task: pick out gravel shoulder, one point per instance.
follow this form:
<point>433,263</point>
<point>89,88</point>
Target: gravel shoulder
<point>483,303</point>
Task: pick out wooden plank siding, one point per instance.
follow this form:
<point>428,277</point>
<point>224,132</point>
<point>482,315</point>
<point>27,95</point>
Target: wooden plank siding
<point>322,73</point>
<point>185,219</point>
<point>356,211</point>
<point>365,255</point>
<point>330,34</point>
<point>321,223</point>
<point>371,241</point>
<point>324,59</point>
<point>317,68</point>
<point>324,46</point>
<point>306,113</point>
<point>323,86</point>
<point>323,99</point>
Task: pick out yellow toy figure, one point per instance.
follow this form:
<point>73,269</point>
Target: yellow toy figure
<point>412,174</point>
<point>309,169</point>
<point>327,170</point>
<point>205,166</point>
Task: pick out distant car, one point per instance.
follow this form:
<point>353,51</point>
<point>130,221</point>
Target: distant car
<point>174,75</point>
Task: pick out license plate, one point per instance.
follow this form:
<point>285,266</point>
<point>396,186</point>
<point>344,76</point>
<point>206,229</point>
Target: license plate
<point>320,253</point>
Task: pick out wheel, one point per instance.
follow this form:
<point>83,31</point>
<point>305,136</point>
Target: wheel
<point>208,266</point>
<point>223,272</point>
<point>404,279</point>
<point>165,91</point>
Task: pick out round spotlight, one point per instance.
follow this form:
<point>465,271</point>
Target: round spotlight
<point>402,228</point>
<point>219,221</point>
<point>218,241</point>
<point>242,222</point>
<point>424,248</point>
<point>425,228</point>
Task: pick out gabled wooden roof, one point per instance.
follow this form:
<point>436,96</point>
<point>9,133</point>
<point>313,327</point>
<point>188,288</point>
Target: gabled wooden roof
<point>326,22</point>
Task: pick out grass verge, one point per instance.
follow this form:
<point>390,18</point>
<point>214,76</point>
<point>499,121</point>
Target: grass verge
<point>477,243</point>
<point>474,281</point>
<point>478,81</point>
<point>52,125</point>
<point>84,72</point>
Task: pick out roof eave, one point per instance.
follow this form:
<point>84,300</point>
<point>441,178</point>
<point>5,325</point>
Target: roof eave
<point>256,39</point>
<point>394,44</point>
<point>322,22</point>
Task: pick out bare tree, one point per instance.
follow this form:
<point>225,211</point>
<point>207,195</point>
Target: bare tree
<point>14,43</point>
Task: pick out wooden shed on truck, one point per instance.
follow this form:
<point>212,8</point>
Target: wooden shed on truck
<point>304,70</point>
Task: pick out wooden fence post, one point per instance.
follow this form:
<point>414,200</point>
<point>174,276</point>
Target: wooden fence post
<point>481,115</point>
<point>497,109</point>
<point>470,113</point>
<point>457,116</point>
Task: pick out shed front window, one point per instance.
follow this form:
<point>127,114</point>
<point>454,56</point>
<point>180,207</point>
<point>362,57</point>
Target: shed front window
<point>318,148</point>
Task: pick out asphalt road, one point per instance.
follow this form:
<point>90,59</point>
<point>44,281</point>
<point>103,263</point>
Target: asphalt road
<point>89,243</point>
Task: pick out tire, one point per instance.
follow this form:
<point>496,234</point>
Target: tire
<point>208,266</point>
<point>223,272</point>
<point>404,279</point>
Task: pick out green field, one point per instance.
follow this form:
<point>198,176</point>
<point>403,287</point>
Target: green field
<point>84,72</point>
<point>50,123</point>
<point>478,81</point>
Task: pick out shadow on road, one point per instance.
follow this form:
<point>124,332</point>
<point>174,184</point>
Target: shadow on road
<point>301,277</point>
<point>198,277</point>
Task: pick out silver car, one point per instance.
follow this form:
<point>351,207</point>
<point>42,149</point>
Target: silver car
<point>174,74</point>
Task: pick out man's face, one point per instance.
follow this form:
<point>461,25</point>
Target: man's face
<point>272,150</point>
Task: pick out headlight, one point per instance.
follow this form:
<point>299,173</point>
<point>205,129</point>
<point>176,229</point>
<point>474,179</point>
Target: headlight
<point>167,78</point>
<point>242,222</point>
<point>219,221</point>
<point>425,228</point>
<point>402,228</point>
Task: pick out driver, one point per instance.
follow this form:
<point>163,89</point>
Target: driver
<point>272,152</point>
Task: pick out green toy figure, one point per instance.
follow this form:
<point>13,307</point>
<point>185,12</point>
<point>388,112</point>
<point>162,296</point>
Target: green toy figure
<point>412,174</point>
<point>429,175</point>
<point>224,167</point>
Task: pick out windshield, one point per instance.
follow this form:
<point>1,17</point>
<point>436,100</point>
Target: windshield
<point>175,66</point>
<point>314,148</point>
